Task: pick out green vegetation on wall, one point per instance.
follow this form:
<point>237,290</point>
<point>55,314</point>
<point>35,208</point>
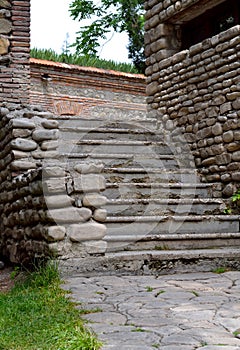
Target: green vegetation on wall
<point>86,61</point>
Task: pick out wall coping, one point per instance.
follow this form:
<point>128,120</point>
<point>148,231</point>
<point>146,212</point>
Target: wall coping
<point>91,70</point>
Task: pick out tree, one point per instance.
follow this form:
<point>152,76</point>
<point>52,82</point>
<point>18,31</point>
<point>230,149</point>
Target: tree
<point>119,15</point>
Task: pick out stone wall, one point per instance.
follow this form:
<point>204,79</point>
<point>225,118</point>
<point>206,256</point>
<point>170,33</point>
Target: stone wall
<point>46,208</point>
<point>197,91</point>
<point>14,51</point>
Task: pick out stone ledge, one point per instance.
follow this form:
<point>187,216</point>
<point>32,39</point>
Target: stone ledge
<point>153,262</point>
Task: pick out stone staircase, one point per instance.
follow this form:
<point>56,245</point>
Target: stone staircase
<point>158,210</point>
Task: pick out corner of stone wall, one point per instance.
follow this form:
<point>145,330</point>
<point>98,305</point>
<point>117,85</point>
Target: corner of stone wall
<point>74,202</point>
<point>46,209</point>
<point>196,91</point>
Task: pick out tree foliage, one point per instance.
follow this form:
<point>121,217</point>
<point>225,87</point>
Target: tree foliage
<point>118,15</point>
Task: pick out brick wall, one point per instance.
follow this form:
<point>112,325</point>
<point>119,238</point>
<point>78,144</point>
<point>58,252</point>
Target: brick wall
<point>65,89</point>
<point>14,51</point>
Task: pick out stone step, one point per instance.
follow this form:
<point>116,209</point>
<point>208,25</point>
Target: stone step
<point>117,146</point>
<point>147,174</point>
<point>116,159</point>
<point>155,262</point>
<point>143,225</point>
<point>159,206</point>
<point>173,241</point>
<point>161,190</point>
<point>66,123</point>
<point>109,132</point>
<point>120,146</point>
<point>78,134</point>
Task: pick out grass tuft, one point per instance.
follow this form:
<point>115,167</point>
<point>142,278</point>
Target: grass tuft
<point>86,61</point>
<point>220,270</point>
<point>37,315</point>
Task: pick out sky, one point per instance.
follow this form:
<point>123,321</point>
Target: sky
<point>51,24</point>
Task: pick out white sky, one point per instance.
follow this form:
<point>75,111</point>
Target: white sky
<point>51,22</point>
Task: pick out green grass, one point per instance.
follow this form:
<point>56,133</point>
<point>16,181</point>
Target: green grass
<point>37,315</point>
<point>149,289</point>
<point>220,270</point>
<point>138,330</point>
<point>86,61</point>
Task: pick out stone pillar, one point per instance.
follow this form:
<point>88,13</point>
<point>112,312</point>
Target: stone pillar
<point>14,51</point>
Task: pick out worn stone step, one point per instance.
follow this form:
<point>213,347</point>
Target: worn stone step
<point>155,262</point>
<point>106,122</point>
<point>118,146</point>
<point>159,206</point>
<point>161,161</point>
<point>172,241</point>
<point>161,190</point>
<point>133,131</point>
<point>148,174</point>
<point>165,224</point>
<point>80,134</point>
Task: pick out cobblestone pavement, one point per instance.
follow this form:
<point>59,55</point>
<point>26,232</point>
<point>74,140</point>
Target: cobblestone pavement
<point>168,312</point>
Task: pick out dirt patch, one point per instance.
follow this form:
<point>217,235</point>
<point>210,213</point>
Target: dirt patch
<point>6,283</point>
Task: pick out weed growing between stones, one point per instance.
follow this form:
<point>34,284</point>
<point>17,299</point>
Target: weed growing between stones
<point>149,289</point>
<point>221,269</point>
<point>234,204</point>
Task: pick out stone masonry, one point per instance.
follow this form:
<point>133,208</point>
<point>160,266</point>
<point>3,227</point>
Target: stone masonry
<point>45,208</point>
<point>85,173</point>
<point>196,91</point>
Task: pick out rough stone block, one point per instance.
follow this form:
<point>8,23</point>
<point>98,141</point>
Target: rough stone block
<point>233,146</point>
<point>89,183</point>
<point>22,123</point>
<point>226,107</point>
<point>54,171</point>
<point>54,185</point>
<point>55,233</point>
<point>90,231</point>
<point>236,176</point>
<point>4,46</point>
<point>23,165</point>
<point>228,136</point>
<point>59,201</point>
<point>236,104</point>
<point>5,4</point>
<point>152,88</point>
<point>44,135</point>
<point>24,144</point>
<point>19,154</point>
<point>217,129</point>
<point>50,124</point>
<point>49,145</point>
<point>100,215</point>
<point>69,215</point>
<point>228,190</point>
<point>91,168</point>
<point>236,156</point>
<point>95,247</point>
<point>45,154</point>
<point>94,200</point>
<point>5,26</point>
<point>22,133</point>
<point>223,158</point>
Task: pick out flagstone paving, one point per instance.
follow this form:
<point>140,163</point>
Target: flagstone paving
<point>168,312</point>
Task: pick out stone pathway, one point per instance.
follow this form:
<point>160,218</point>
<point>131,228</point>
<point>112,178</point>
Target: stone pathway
<point>168,312</point>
